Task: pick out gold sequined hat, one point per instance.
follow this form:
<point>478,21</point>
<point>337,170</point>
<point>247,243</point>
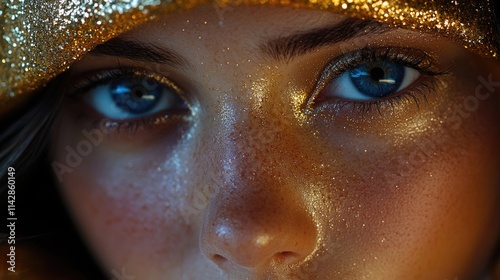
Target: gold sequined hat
<point>42,38</point>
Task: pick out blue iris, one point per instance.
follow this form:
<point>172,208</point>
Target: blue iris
<point>378,79</point>
<point>136,96</point>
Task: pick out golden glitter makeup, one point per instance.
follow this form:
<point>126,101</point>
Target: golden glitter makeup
<point>41,39</point>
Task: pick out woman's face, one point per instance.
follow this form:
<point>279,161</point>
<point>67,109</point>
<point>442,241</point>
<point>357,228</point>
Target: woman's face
<point>274,143</point>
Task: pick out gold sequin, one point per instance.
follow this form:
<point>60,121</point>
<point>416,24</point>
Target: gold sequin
<point>41,39</point>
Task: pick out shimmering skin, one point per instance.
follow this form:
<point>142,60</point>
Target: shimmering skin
<point>252,186</point>
<point>41,39</point>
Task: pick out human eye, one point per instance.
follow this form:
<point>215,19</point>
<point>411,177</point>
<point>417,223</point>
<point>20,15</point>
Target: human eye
<point>369,78</point>
<point>127,97</point>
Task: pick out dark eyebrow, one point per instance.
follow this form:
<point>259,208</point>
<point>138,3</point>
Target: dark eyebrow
<point>287,47</point>
<point>139,51</point>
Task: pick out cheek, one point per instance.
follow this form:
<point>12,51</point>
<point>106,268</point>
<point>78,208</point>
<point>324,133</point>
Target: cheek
<point>426,204</point>
<point>129,206</point>
<point>435,218</point>
<point>441,217</point>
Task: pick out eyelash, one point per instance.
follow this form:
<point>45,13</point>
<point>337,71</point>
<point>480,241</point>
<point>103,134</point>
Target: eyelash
<point>87,82</point>
<point>411,58</point>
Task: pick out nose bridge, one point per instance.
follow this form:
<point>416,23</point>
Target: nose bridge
<point>255,131</point>
<point>253,144</point>
<point>249,138</point>
<point>254,151</point>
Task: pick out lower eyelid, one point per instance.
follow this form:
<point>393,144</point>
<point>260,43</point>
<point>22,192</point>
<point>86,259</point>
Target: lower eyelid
<point>133,133</point>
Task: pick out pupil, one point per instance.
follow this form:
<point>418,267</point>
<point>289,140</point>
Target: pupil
<point>377,74</point>
<point>378,79</point>
<point>138,94</point>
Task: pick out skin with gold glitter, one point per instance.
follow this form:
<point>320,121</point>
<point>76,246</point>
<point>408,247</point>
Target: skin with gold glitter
<point>43,38</point>
<point>270,171</point>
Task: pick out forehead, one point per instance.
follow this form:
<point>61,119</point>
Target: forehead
<point>243,25</point>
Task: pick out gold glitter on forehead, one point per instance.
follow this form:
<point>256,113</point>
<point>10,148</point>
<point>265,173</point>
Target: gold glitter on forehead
<point>41,39</point>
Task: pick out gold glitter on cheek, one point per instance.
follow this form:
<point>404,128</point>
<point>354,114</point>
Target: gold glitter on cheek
<point>41,39</point>
<point>298,98</point>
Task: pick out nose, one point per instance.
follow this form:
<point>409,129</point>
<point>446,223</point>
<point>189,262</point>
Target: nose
<point>259,218</point>
<point>256,229</point>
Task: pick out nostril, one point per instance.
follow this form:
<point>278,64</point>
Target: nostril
<point>286,256</point>
<point>221,261</point>
<point>218,259</point>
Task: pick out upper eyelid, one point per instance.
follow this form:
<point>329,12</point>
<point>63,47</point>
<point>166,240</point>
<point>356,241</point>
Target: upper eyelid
<point>89,80</point>
<point>396,54</point>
